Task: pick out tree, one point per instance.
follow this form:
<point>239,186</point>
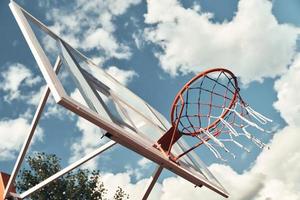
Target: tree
<point>120,194</point>
<point>81,184</point>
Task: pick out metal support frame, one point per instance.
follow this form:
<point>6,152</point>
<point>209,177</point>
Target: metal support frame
<point>152,181</point>
<point>31,132</point>
<point>67,169</point>
<point>136,143</point>
<point>39,53</point>
<point>28,140</point>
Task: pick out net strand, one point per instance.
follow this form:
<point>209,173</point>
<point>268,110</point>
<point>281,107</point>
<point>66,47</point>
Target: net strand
<point>211,148</point>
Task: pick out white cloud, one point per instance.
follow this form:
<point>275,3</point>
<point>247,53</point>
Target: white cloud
<point>59,112</point>
<point>118,7</point>
<point>276,189</point>
<point>14,77</point>
<point>90,139</point>
<point>139,172</point>
<point>91,27</point>
<point>179,189</point>
<point>135,190</point>
<point>36,96</point>
<point>144,162</point>
<point>106,41</point>
<point>12,136</point>
<point>46,3</point>
<point>52,109</point>
<point>98,60</point>
<point>280,165</point>
<point>288,95</point>
<point>253,44</point>
<point>123,76</point>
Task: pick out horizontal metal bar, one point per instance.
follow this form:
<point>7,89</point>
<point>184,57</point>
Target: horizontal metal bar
<point>67,169</point>
<point>142,145</point>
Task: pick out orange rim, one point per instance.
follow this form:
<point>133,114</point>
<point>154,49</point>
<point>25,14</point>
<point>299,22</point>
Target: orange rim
<point>186,86</point>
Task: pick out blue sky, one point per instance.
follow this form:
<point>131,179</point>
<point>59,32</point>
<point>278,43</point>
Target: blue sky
<point>154,48</point>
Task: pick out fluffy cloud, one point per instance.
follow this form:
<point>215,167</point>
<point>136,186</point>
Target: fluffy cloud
<point>287,88</point>
<point>123,76</point>
<point>32,96</point>
<point>118,7</point>
<point>12,135</point>
<point>138,172</point>
<point>273,176</point>
<point>91,27</point>
<point>14,77</point>
<point>144,162</point>
<point>89,141</point>
<point>135,190</point>
<point>14,80</point>
<point>179,189</point>
<point>280,165</point>
<point>253,44</point>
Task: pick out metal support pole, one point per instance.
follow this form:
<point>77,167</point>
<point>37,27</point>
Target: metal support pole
<point>32,129</point>
<point>67,169</point>
<point>152,182</point>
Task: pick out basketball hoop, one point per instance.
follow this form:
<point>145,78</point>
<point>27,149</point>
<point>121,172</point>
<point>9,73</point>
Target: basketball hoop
<point>210,106</point>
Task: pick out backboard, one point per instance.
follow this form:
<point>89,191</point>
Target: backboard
<point>102,100</point>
